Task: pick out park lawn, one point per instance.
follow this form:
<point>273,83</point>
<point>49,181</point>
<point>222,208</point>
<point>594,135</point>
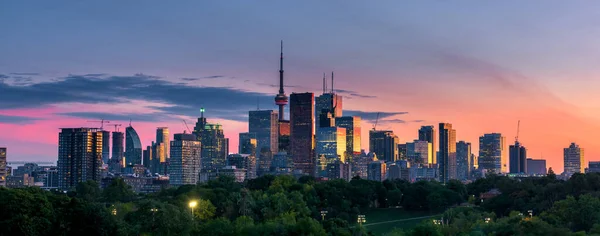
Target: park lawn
<point>390,214</point>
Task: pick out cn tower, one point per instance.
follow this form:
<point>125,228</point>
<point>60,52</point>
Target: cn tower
<point>281,99</point>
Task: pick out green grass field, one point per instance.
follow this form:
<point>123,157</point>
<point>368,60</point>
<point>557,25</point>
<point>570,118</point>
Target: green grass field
<point>381,221</point>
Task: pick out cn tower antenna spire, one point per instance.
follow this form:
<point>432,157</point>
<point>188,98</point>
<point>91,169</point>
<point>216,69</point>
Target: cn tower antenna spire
<point>281,99</point>
<point>281,70</point>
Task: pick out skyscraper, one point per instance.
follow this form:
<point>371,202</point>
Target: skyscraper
<point>117,159</point>
<point>427,133</point>
<point>133,147</point>
<point>263,124</point>
<point>215,147</point>
<point>447,155</point>
<point>419,152</point>
<point>574,160</point>
<point>517,158</point>
<point>247,144</point>
<point>3,171</point>
<point>185,160</point>
<point>491,152</point>
<point>79,156</point>
<point>149,158</point>
<point>162,136</point>
<point>328,107</point>
<point>331,146</point>
<point>353,133</point>
<point>464,164</point>
<point>105,147</point>
<point>384,143</point>
<point>302,131</point>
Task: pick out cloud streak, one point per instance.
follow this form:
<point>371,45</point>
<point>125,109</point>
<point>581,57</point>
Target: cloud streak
<point>16,119</point>
<point>181,99</point>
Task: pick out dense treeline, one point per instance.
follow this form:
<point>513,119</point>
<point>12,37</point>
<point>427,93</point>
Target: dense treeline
<point>267,205</point>
<point>282,205</point>
<point>528,206</point>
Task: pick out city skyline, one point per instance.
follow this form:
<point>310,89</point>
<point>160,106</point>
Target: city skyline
<point>529,73</point>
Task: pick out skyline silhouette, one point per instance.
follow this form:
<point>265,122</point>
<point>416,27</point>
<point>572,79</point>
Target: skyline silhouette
<point>416,63</point>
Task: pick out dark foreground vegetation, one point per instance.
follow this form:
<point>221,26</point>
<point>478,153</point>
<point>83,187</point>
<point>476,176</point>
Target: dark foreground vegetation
<point>285,206</point>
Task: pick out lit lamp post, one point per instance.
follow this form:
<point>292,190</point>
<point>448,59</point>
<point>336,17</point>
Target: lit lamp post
<point>361,219</point>
<point>530,213</point>
<point>323,213</point>
<point>487,220</point>
<point>114,211</point>
<point>193,204</point>
<point>153,210</point>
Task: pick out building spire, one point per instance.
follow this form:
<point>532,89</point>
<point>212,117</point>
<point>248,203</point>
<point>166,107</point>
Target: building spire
<point>281,70</point>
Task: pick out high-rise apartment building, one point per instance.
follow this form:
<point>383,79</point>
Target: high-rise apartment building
<point>117,161</point>
<point>353,133</point>
<point>133,147</point>
<point>106,147</point>
<point>247,144</point>
<point>427,133</point>
<point>574,160</point>
<point>302,124</point>
<point>491,152</point>
<point>384,143</point>
<point>264,125</point>
<point>185,160</point>
<point>79,156</point>
<point>215,147</point>
<point>517,158</point>
<point>447,152</point>
<point>419,152</point>
<point>3,170</point>
<point>162,136</point>
<point>464,164</point>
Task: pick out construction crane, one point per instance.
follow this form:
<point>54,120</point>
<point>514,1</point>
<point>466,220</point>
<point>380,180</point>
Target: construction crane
<point>102,121</point>
<point>518,126</point>
<point>116,127</point>
<point>376,120</point>
<point>186,126</point>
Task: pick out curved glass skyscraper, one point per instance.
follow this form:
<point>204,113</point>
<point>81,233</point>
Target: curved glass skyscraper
<point>133,147</point>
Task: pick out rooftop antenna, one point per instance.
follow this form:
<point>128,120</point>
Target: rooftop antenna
<point>518,126</point>
<point>202,112</point>
<point>332,82</point>
<point>116,127</point>
<point>129,122</point>
<point>257,104</point>
<point>324,84</point>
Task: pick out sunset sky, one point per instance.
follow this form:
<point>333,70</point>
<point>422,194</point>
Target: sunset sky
<point>480,65</point>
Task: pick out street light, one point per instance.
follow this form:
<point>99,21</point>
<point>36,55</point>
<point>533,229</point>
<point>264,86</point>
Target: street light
<point>193,204</point>
<point>114,211</point>
<point>361,219</point>
<point>530,213</point>
<point>487,220</point>
<point>323,213</point>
